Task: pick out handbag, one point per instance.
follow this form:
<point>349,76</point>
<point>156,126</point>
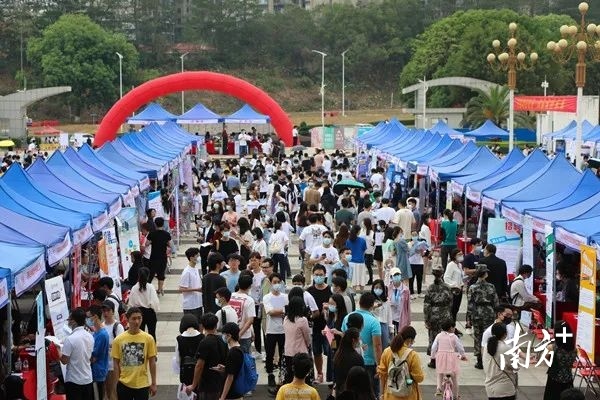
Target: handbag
<point>515,382</point>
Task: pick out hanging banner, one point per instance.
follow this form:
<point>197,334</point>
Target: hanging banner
<point>57,305</point>
<point>528,259</point>
<point>30,276</point>
<point>546,103</point>
<point>40,350</point>
<point>506,236</point>
<point>586,317</point>
<point>112,258</point>
<point>550,273</point>
<point>155,202</point>
<point>186,167</point>
<point>129,237</point>
<point>76,266</point>
<point>3,292</point>
<point>102,258</point>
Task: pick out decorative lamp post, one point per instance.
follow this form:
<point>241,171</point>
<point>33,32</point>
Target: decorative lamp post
<point>510,60</point>
<point>582,41</point>
<point>323,55</point>
<point>425,89</point>
<point>344,82</point>
<point>120,74</point>
<point>183,92</point>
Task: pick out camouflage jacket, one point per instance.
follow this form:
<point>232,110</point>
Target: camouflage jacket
<point>482,301</point>
<point>437,304</point>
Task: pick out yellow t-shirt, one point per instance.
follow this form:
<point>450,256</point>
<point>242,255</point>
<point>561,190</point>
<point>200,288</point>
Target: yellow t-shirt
<point>292,391</point>
<point>133,353</point>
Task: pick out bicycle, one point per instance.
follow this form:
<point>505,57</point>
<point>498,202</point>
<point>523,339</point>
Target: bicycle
<point>447,393</point>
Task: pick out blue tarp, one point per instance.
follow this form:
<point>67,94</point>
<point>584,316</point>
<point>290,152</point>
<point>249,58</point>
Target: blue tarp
<point>428,141</point>
<point>586,227</point>
<point>138,156</point>
<point>199,114</point>
<point>372,133</point>
<point>247,115</point>
<point>404,146</point>
<point>14,227</point>
<point>442,128</point>
<point>87,154</point>
<point>170,131</point>
<point>110,154</point>
<point>152,113</point>
<point>423,161</point>
<point>140,142</point>
<point>528,166</point>
<point>444,142</point>
<point>488,130</point>
<point>388,132</point>
<point>560,132</point>
<point>16,177</point>
<point>481,160</point>
<point>541,184</point>
<point>571,133</point>
<point>77,189</point>
<point>457,156</point>
<point>76,162</point>
<point>20,258</point>
<point>508,162</point>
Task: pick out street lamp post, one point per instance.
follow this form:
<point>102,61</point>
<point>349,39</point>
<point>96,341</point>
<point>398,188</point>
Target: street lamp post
<point>183,92</point>
<point>120,74</point>
<point>344,82</point>
<point>425,88</point>
<point>581,40</point>
<point>323,55</point>
<point>510,60</point>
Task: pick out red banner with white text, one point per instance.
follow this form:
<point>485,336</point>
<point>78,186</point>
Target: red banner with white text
<point>546,103</point>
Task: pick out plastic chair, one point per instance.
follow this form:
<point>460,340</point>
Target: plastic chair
<point>589,373</point>
<point>537,326</point>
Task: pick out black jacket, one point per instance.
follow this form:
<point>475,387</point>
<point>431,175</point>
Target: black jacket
<point>497,275</point>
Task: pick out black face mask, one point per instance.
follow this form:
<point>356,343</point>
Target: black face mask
<point>507,320</point>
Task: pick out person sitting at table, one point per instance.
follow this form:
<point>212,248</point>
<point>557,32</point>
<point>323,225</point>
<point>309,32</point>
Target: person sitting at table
<point>567,288</point>
<point>520,298</point>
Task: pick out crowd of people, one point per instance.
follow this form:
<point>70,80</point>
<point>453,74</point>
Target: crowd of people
<point>344,318</point>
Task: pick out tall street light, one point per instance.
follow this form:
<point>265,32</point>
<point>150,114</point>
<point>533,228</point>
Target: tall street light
<point>510,60</point>
<point>120,74</point>
<point>323,55</point>
<point>183,92</point>
<point>578,40</point>
<point>545,85</point>
<point>425,88</point>
<point>344,82</point>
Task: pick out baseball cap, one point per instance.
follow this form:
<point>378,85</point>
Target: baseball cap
<point>108,304</point>
<point>395,271</point>
<point>482,269</point>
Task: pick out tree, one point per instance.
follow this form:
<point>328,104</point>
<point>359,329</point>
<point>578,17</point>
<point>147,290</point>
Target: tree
<point>493,106</point>
<point>75,51</point>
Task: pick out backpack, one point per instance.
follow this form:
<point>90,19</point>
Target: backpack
<point>122,307</point>
<point>223,317</point>
<point>114,328</point>
<point>247,377</point>
<point>513,298</point>
<point>399,382</point>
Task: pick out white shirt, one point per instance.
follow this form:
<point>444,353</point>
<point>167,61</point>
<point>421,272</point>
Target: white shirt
<point>385,214</point>
<point>281,238</point>
<point>219,196</point>
<point>176,359</point>
<point>312,236</point>
<point>274,302</point>
<point>190,279</point>
<point>78,347</point>
<point>256,288</point>
<point>251,205</point>
<point>377,179</point>
<point>111,338</point>
<point>453,276</point>
<point>197,204</point>
<point>228,313</point>
<point>487,334</point>
<point>266,148</point>
<point>260,247</point>
<point>326,166</point>
<point>244,307</point>
<point>204,190</point>
<point>425,233</point>
<point>147,299</point>
<point>310,302</point>
<point>294,132</point>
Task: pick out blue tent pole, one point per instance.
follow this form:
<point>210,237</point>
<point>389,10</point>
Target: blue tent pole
<point>9,343</point>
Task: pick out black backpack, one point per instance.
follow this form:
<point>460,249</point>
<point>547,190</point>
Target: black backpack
<point>122,307</point>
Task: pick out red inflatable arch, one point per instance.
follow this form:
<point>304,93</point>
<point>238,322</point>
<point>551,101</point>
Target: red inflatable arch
<point>193,80</point>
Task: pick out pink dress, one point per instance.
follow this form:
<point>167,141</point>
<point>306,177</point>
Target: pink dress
<point>447,350</point>
<point>399,298</point>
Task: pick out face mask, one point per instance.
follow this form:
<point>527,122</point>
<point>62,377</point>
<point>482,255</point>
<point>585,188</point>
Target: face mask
<point>216,206</point>
<point>415,239</point>
<point>396,278</point>
<point>478,249</point>
<point>263,212</point>
<point>378,292</point>
<point>204,224</point>
<point>319,280</point>
<point>375,188</point>
<point>332,309</point>
<point>219,190</point>
<point>228,208</point>
<point>506,320</point>
<point>460,259</point>
<point>276,287</point>
<point>217,302</point>
<point>326,241</point>
<point>279,208</point>
<point>346,194</point>
<point>89,322</point>
<point>348,257</point>
<point>226,234</point>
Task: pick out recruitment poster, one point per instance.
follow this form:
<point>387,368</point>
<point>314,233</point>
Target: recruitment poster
<point>528,259</point>
<point>586,317</point>
<point>112,258</point>
<point>155,202</point>
<point>3,292</point>
<point>102,258</point>
<point>550,272</point>
<point>129,237</point>
<point>57,305</point>
<point>506,237</point>
<point>40,350</point>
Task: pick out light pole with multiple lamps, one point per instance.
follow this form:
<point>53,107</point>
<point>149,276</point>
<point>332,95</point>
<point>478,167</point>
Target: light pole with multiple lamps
<point>183,92</point>
<point>580,40</point>
<point>120,74</point>
<point>510,60</point>
<point>323,55</point>
<point>344,82</point>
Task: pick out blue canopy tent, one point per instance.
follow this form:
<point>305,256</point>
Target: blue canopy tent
<point>110,154</point>
<point>421,164</point>
<point>5,279</point>
<point>442,128</point>
<point>457,156</point>
<point>77,162</point>
<point>482,160</point>
<point>140,142</point>
<point>26,266</point>
<point>79,223</point>
<point>246,115</point>
<point>152,113</point>
<point>428,141</point>
<point>16,177</point>
<point>560,132</point>
<point>199,114</point>
<point>160,166</point>
<point>23,230</point>
<point>87,154</point>
<point>582,230</point>
<point>511,159</point>
<point>75,189</point>
<point>443,143</point>
<point>487,131</point>
<point>530,187</point>
<point>526,167</point>
<point>593,135</point>
<point>61,167</point>
<point>171,132</point>
<point>388,132</point>
<point>374,132</point>
<point>404,147</point>
<point>571,133</point>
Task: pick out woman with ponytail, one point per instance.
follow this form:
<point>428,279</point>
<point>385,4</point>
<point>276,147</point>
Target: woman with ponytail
<point>500,377</point>
<point>143,295</point>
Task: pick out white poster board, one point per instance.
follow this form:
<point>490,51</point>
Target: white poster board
<point>112,258</point>
<point>129,237</point>
<point>528,259</point>
<point>58,305</point>
<point>40,350</point>
<point>155,202</point>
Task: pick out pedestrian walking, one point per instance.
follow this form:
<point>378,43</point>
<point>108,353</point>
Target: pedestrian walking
<point>144,298</point>
<point>482,302</point>
<point>76,355</point>
<point>437,307</point>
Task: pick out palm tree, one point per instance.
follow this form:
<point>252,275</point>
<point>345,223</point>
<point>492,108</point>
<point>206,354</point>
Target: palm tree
<point>493,106</point>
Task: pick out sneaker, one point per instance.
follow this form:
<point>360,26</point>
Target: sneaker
<point>421,295</point>
<point>438,392</point>
<point>263,357</point>
<point>255,354</point>
<point>271,380</point>
<point>469,331</point>
<point>413,296</point>
<point>249,394</point>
